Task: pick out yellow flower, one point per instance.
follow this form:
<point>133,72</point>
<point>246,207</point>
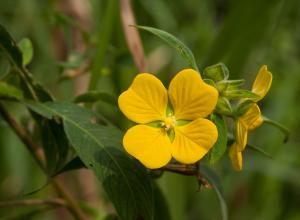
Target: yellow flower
<point>251,119</point>
<point>147,100</point>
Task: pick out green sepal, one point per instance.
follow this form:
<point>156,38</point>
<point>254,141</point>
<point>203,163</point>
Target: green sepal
<point>234,84</point>
<point>171,134</point>
<point>219,147</point>
<point>223,106</point>
<point>210,82</point>
<point>182,122</point>
<point>216,72</point>
<point>243,107</point>
<point>155,124</point>
<point>229,84</point>
<point>240,93</point>
<point>169,110</point>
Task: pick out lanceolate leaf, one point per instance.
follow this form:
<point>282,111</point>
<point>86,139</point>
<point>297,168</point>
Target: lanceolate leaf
<point>220,146</point>
<point>184,51</point>
<point>98,145</point>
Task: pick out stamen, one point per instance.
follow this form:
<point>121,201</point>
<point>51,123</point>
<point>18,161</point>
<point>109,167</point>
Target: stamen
<point>169,122</point>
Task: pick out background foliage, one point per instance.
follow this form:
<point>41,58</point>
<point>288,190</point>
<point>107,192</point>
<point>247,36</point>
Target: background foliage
<point>70,35</point>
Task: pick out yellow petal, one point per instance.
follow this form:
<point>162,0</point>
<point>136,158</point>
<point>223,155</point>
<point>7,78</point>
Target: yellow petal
<point>192,141</point>
<point>236,157</point>
<point>191,98</point>
<point>151,146</point>
<point>241,135</point>
<point>252,118</point>
<point>145,101</point>
<point>262,82</point>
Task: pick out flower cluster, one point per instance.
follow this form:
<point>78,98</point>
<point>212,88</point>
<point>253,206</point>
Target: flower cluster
<point>174,123</point>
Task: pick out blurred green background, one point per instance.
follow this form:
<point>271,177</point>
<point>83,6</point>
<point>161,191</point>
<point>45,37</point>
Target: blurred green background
<point>242,34</point>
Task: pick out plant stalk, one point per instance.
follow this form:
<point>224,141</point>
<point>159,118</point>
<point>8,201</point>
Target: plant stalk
<point>33,202</point>
<point>24,136</point>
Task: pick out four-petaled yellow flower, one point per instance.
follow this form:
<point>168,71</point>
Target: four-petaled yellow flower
<point>251,119</point>
<point>147,100</point>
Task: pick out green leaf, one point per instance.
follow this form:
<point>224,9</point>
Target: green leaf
<point>184,51</point>
<point>9,47</point>
<point>99,145</point>
<point>9,91</point>
<point>220,146</point>
<point>53,137</point>
<point>215,181</point>
<point>55,145</point>
<point>94,96</point>
<point>26,48</point>
<point>73,164</point>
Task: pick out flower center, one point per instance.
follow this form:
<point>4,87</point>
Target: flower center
<point>169,123</point>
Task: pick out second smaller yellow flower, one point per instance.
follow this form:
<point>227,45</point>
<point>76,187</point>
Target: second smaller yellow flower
<point>251,119</point>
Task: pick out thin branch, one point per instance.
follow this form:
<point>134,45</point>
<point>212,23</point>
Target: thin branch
<point>25,137</point>
<point>33,202</point>
<point>188,170</point>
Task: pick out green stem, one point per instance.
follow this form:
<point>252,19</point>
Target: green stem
<point>103,41</point>
<point>282,128</point>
